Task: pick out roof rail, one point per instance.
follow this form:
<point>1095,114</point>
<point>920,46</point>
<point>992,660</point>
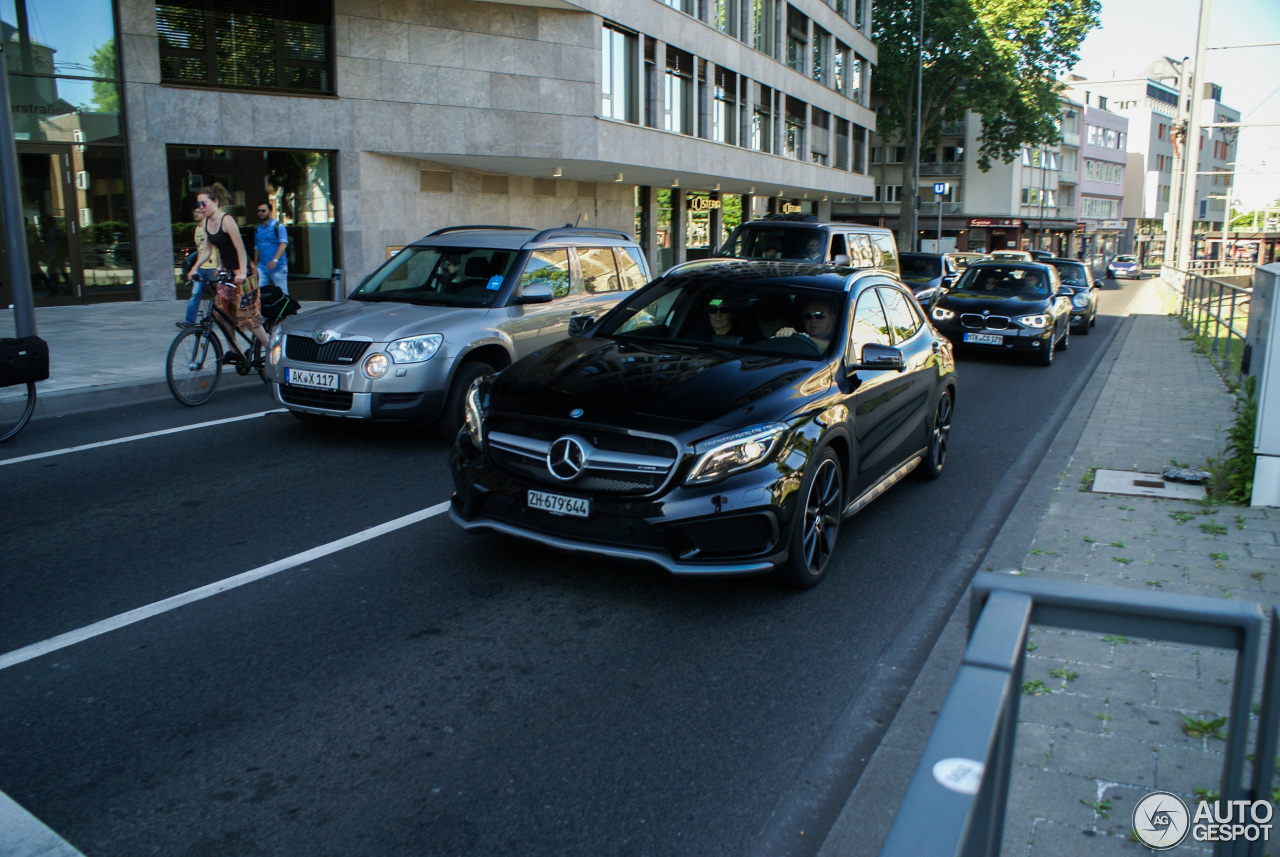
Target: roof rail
<point>477,226</point>
<point>574,230</point>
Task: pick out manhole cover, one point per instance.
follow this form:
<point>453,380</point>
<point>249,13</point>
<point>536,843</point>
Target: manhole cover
<point>1143,485</point>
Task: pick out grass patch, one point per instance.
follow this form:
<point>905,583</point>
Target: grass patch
<point>1182,517</point>
<point>1101,807</point>
<point>1035,687</point>
<point>1123,560</point>
<point>1196,728</point>
<point>1213,528</point>
<point>1064,673</point>
<point>1116,639</point>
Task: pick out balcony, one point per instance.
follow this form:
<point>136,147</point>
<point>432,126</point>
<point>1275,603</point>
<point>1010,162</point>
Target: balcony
<point>952,129</point>
<point>1069,177</point>
<point>941,169</point>
<point>929,208</point>
<point>1071,139</point>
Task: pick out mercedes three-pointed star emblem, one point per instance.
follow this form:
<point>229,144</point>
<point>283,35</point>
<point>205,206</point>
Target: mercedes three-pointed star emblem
<point>566,458</point>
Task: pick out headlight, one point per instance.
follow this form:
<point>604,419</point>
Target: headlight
<point>1033,321</point>
<point>277,351</point>
<point>415,349</point>
<point>942,314</point>
<point>376,365</point>
<point>474,414</point>
<point>277,334</point>
<point>1080,301</point>
<point>733,453</point>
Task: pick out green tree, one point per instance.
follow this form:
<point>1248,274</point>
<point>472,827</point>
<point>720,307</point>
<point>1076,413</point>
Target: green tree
<point>106,95</point>
<point>998,58</point>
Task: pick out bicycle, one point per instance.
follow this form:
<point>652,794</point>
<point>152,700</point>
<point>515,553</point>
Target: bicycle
<point>192,373</point>
<point>16,405</point>
<point>23,362</point>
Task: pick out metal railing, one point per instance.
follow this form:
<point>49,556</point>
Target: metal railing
<point>955,805</point>
<point>1216,311</point>
<point>948,169</point>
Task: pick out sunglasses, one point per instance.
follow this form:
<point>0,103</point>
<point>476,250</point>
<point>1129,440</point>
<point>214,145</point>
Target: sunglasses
<point>201,204</point>
<point>264,211</point>
<point>818,315</point>
<point>717,310</point>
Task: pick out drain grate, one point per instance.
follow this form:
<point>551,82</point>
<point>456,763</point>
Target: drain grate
<point>1143,485</point>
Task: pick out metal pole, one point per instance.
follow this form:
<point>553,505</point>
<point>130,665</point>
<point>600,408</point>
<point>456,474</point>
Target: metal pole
<point>915,178</point>
<point>1179,172</point>
<point>15,238</point>
<point>1191,163</point>
<point>939,247</point>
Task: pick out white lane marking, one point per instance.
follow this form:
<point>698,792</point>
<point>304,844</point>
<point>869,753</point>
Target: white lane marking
<point>24,835</point>
<point>132,438</point>
<point>97,629</point>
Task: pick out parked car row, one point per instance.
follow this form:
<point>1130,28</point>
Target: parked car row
<point>725,418</point>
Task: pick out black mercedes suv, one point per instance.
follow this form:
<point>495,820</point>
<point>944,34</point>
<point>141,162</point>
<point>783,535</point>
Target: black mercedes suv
<point>725,419</point>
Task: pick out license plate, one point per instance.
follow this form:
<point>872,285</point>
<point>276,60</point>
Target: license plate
<point>557,504</point>
<point>984,338</point>
<point>313,380</point>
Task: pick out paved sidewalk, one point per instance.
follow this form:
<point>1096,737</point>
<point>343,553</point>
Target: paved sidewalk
<point>107,354</point>
<point>1102,719</point>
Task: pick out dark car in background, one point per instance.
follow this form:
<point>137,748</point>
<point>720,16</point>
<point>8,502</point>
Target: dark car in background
<point>1124,266</point>
<point>1007,306</point>
<point>1084,299</point>
<point>927,274</point>
<point>723,420</point>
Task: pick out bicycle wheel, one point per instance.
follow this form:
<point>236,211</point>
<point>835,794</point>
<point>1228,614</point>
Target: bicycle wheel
<point>16,404</point>
<point>258,359</point>
<point>195,364</point>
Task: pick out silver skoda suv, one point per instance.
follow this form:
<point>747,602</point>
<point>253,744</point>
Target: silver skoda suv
<point>460,303</point>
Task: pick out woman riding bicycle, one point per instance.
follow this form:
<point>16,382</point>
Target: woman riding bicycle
<point>226,238</point>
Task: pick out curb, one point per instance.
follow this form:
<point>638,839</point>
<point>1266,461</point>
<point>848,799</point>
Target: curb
<point>61,403</point>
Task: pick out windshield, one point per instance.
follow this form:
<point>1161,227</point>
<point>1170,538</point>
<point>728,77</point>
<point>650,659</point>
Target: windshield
<point>998,281</point>
<point>1072,273</point>
<point>777,242</point>
<point>439,276</point>
<point>1126,259</point>
<point>920,267</point>
<point>773,319</point>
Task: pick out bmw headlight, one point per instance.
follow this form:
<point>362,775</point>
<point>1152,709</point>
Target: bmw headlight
<point>474,413</point>
<point>942,314</point>
<point>1080,301</point>
<point>732,453</point>
<point>415,349</point>
<point>1037,321</point>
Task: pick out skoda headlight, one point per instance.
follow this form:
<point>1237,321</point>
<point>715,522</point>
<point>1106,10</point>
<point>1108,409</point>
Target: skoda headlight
<point>415,349</point>
<point>277,334</point>
<point>1080,301</point>
<point>942,314</point>
<point>474,414</point>
<point>376,365</point>
<point>1037,321</point>
<point>733,453</point>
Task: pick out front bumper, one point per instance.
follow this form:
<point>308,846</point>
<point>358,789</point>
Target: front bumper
<point>415,391</point>
<point>733,527</point>
<point>1011,339</point>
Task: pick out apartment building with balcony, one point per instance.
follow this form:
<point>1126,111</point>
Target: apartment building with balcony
<point>370,123</point>
<point>1150,102</point>
<point>1013,205</point>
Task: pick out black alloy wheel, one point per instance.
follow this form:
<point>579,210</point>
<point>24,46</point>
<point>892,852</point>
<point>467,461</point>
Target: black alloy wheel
<point>816,522</point>
<point>1064,341</point>
<point>1045,356</point>
<point>939,438</point>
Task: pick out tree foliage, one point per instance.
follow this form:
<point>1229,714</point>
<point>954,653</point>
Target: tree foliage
<point>106,96</point>
<point>998,58</point>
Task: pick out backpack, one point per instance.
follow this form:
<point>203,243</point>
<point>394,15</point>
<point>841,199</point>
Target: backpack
<point>276,305</point>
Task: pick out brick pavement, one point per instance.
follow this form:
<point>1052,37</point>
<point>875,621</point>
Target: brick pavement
<point>1102,721</point>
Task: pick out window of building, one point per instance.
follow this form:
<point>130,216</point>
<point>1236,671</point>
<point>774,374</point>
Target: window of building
<point>618,80</point>
<point>685,6</point>
<point>1071,122</point>
<point>1066,197</point>
<point>820,137</point>
<point>842,144</point>
<point>821,67</point>
<point>762,16</point>
<point>726,16</point>
<point>1098,208</point>
<point>762,119</point>
<point>299,184</point>
<point>272,46</point>
<point>896,154</point>
<point>859,149</point>
<point>678,102</point>
<point>877,155</point>
<point>793,141</point>
<point>724,108</point>
<point>856,87</point>
<point>840,68</point>
<point>797,39</point>
<point>953,154</point>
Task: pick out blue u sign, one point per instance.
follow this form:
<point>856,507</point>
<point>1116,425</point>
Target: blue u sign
<point>939,188</point>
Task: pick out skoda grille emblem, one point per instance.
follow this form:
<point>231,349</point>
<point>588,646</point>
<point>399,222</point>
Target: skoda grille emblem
<point>566,458</point>
<point>323,336</point>
<point>575,413</point>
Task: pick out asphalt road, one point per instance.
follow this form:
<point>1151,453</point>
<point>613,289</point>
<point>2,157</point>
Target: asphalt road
<point>428,693</point>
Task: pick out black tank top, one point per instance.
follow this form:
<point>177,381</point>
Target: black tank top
<point>226,249</point>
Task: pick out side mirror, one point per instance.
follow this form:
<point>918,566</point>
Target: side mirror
<point>536,293</point>
<point>949,281</point>
<point>840,259</point>
<point>579,323</point>
<point>877,356</point>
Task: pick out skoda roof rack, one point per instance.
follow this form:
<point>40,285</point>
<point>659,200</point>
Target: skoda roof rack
<point>799,218</point>
<point>477,226</point>
<point>574,230</point>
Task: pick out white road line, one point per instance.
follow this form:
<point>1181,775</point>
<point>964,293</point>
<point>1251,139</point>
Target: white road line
<point>132,438</point>
<point>24,835</point>
<point>88,632</point>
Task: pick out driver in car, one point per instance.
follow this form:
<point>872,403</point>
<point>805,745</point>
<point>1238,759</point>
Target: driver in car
<point>818,320</point>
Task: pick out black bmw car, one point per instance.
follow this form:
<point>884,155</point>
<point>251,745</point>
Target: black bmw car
<point>725,419</point>
<point>1007,306</point>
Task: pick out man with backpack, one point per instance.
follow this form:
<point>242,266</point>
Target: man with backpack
<point>269,244</point>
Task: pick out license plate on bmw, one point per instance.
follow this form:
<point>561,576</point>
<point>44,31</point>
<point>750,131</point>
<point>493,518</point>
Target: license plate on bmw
<point>984,338</point>
<point>558,504</point>
<point>311,380</point>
